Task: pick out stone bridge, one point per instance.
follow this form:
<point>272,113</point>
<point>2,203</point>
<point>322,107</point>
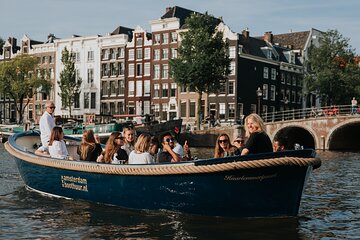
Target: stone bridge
<point>335,132</point>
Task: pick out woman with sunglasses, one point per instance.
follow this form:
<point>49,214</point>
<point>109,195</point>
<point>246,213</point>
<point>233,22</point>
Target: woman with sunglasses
<point>258,141</point>
<point>223,146</point>
<point>113,152</point>
<point>89,150</point>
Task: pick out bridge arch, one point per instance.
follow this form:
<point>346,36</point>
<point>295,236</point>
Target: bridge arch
<point>345,135</point>
<point>292,134</point>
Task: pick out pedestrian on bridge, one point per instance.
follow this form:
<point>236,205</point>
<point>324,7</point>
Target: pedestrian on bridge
<point>354,106</point>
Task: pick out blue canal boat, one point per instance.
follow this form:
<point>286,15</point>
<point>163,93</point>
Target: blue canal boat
<point>259,185</point>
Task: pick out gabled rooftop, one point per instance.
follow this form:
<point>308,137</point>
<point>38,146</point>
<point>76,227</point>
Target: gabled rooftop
<point>178,12</point>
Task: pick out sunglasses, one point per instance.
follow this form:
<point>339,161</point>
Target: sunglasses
<point>169,140</point>
<point>51,107</point>
<point>121,138</point>
<point>239,141</point>
<point>223,141</point>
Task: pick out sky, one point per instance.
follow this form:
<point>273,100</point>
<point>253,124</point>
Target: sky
<point>38,18</point>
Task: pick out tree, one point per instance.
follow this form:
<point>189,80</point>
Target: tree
<point>69,84</point>
<point>21,80</point>
<point>332,71</point>
<point>203,62</point>
<point>2,42</point>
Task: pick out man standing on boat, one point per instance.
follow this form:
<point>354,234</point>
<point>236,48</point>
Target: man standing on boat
<point>47,123</point>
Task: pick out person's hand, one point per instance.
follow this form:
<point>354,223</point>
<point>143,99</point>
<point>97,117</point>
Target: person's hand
<point>100,158</point>
<point>186,147</point>
<point>166,147</point>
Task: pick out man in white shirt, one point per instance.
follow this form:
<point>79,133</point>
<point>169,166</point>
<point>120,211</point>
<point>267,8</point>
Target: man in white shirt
<point>47,122</point>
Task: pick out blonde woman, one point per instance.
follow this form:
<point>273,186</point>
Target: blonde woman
<point>141,154</point>
<point>258,141</point>
<point>89,150</point>
<point>113,152</point>
<point>223,146</point>
<point>129,139</point>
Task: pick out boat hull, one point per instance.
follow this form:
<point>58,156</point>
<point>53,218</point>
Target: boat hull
<point>240,193</point>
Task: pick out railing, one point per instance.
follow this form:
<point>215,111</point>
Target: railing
<point>305,113</point>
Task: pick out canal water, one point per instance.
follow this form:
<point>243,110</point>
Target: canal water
<point>330,209</point>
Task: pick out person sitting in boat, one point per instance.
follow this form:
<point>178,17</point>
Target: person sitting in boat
<point>113,152</point>
<point>168,154</point>
<point>258,141</point>
<point>278,145</point>
<point>47,123</point>
<point>239,144</point>
<point>129,140</point>
<point>223,146</point>
<point>154,148</point>
<point>141,154</point>
<point>57,146</point>
<point>89,150</point>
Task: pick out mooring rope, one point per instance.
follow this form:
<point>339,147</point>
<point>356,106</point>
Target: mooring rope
<point>161,169</point>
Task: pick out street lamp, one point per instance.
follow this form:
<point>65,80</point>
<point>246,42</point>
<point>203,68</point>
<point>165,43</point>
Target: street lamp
<point>259,93</point>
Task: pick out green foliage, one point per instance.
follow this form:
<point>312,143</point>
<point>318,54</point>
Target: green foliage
<point>203,63</point>
<point>2,42</point>
<point>68,84</point>
<point>21,80</point>
<point>332,72</point>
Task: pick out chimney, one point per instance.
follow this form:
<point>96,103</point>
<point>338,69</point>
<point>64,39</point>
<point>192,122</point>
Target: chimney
<point>168,9</point>
<point>268,36</point>
<point>12,41</point>
<point>246,33</point>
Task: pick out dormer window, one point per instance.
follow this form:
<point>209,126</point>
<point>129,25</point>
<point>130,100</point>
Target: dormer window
<point>267,52</point>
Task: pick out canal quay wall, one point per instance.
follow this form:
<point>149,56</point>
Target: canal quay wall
<point>207,137</point>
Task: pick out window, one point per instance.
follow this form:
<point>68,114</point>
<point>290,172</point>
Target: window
<point>273,74</point>
<point>104,70</point>
<point>231,107</point>
<point>157,54</point>
<point>173,37</point>
<point>131,70</point>
<point>299,97</point>
<point>93,100</point>
<point>165,38</point>
<point>147,88</point>
<point>231,87</point>
<point>183,109</point>
<point>192,109</point>
<point>264,109</point>
<point>139,53</point>
<point>147,106</point>
<point>222,110</point>
<point>86,100</point>
<point>283,78</point>
<point>138,88</point>
<point>121,52</point>
<point>232,68</point>
<point>139,41</point>
<point>156,71</point>
<point>222,89</point>
<point>156,90</point>
<point>131,108</point>
<point>113,88</point>
<point>104,88</point>
<point>112,54</point>
<point>165,88</point>
<point>90,75</point>
<point>77,100</point>
<point>293,80</point>
<point>293,97</point>
<point>173,90</point>
<point>51,59</point>
<point>147,69</point>
<point>253,108</point>
<point>147,53</point>
<point>232,52</point>
<point>157,39</point>
<point>121,67</point>
<point>272,92</point>
<point>138,69</point>
<point>131,88</point>
<point>265,91</point>
<point>282,94</point>
<point>77,57</point>
<point>288,79</point>
<point>165,71</point>
<point>266,72</point>
<point>165,53</point>
<point>90,56</point>
<point>121,108</point>
<point>112,69</point>
<point>173,53</point>
<point>157,110</point>
<point>121,87</point>
<point>131,54</point>
<point>164,111</point>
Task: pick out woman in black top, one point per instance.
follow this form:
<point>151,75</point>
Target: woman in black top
<point>89,150</point>
<point>258,141</point>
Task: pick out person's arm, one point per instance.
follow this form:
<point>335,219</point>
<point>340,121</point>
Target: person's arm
<point>175,157</point>
<point>187,151</point>
<point>245,151</point>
